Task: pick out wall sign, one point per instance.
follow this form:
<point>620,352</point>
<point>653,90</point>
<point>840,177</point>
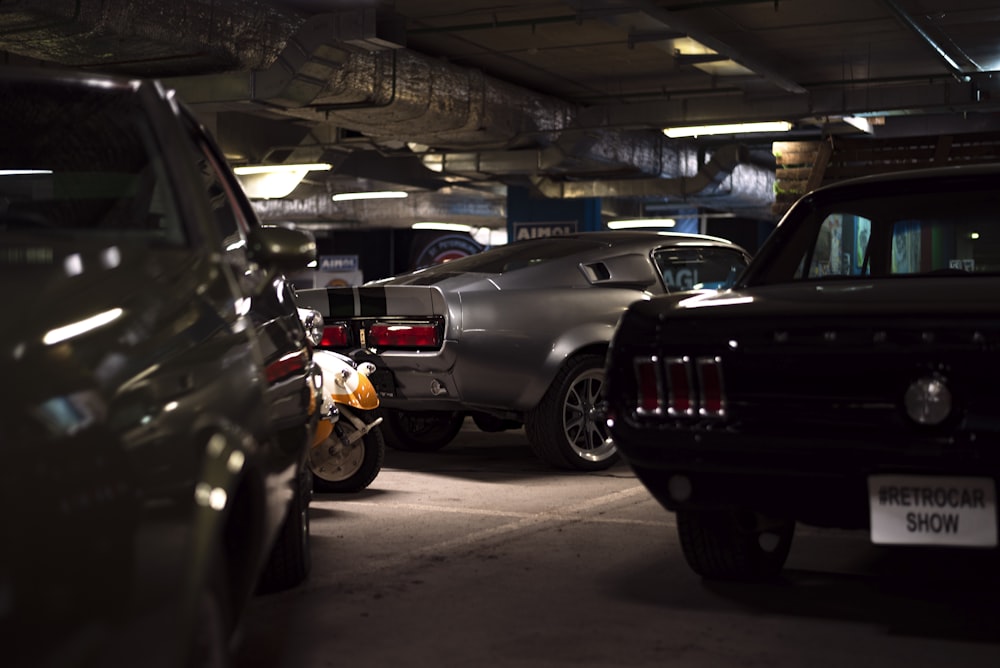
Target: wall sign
<point>336,263</point>
<point>543,230</point>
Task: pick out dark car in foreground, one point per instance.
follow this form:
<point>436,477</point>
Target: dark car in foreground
<point>515,335</point>
<point>847,380</point>
<point>159,392</point>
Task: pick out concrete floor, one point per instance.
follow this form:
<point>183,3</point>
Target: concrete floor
<point>479,555</point>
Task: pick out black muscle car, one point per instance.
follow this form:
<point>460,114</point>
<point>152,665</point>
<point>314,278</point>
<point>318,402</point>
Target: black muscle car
<point>847,380</point>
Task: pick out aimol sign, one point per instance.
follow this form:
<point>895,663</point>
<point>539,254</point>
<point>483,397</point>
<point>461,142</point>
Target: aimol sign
<point>543,230</point>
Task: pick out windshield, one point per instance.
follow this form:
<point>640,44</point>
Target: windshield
<point>693,268</point>
<point>81,160</point>
<point>920,232</point>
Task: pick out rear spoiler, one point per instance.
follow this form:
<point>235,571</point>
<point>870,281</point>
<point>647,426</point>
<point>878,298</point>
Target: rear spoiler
<point>366,302</point>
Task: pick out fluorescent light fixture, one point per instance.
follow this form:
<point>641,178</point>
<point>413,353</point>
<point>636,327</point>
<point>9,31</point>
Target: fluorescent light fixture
<point>375,194</point>
<point>640,223</point>
<point>443,227</point>
<point>484,236</point>
<point>279,169</point>
<point>728,129</point>
<point>275,181</point>
<point>23,172</point>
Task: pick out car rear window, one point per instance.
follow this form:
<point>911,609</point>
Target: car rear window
<point>931,229</point>
<point>692,268</point>
<point>81,160</point>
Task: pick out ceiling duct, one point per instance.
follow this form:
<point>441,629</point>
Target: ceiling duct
<point>148,37</point>
<point>419,206</point>
<point>732,177</point>
<point>349,69</point>
<point>336,69</point>
<point>573,152</point>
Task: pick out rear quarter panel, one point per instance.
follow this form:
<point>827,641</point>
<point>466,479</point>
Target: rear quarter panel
<point>513,342</point>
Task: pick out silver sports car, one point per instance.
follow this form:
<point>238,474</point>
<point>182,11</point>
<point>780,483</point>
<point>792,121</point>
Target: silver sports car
<point>515,335</point>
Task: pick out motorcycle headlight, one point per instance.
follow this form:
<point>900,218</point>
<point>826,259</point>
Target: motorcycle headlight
<point>312,320</point>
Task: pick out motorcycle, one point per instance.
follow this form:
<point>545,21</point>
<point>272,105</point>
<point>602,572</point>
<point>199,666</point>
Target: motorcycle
<point>348,449</point>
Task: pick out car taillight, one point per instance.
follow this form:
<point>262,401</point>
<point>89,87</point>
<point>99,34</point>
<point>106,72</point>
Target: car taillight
<point>680,398</point>
<point>404,335</point>
<point>713,399</point>
<point>679,386</point>
<point>335,336</point>
<point>648,384</point>
<point>289,365</point>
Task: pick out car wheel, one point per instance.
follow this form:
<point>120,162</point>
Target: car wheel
<point>566,429</point>
<point>732,545</point>
<point>420,431</point>
<point>290,561</point>
<point>337,468</point>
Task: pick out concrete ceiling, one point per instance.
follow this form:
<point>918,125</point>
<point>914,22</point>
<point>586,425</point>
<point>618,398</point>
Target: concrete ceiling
<point>456,100</point>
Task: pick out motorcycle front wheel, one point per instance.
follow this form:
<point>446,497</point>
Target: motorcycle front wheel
<point>337,468</point>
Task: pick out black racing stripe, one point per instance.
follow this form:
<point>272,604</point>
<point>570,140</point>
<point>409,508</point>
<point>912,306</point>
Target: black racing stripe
<point>372,301</point>
<point>341,301</point>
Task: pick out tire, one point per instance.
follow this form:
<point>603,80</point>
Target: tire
<point>289,562</point>
<point>348,470</point>
<point>420,431</point>
<point>734,545</point>
<point>565,429</point>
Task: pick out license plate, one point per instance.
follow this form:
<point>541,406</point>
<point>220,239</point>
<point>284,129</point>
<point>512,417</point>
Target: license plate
<point>384,382</point>
<point>932,510</point>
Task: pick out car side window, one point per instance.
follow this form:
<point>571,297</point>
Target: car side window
<point>939,245</point>
<point>229,218</point>
<point>840,248</point>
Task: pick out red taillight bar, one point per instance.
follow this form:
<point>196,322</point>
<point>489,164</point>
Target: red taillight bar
<point>336,336</point>
<point>649,385</point>
<point>713,397</point>
<point>679,386</point>
<point>289,365</point>
<point>404,335</point>
<point>680,394</point>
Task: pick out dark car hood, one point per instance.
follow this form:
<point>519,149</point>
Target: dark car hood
<point>904,296</point>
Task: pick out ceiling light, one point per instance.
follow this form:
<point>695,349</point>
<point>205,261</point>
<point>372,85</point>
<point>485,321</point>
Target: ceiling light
<point>727,129</point>
<point>278,169</point>
<point>376,194</point>
<point>23,172</point>
<point>484,236</point>
<point>275,181</point>
<point>640,223</point>
<point>79,327</point>
<point>444,227</point>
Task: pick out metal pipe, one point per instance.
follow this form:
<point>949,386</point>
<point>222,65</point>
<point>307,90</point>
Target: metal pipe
<point>911,23</point>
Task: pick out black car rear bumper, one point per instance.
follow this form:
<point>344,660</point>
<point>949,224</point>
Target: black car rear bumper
<point>820,480</point>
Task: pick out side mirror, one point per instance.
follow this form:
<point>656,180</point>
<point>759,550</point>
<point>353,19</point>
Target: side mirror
<point>282,248</point>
